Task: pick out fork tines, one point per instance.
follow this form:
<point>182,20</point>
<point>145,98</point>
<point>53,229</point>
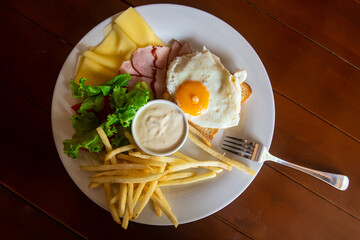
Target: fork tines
<point>241,147</point>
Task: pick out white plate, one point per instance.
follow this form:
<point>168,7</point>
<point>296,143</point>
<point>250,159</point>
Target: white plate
<point>195,201</point>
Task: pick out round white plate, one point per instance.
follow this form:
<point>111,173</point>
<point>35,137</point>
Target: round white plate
<point>168,21</point>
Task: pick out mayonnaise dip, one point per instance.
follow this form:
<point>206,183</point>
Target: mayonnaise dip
<point>160,128</point>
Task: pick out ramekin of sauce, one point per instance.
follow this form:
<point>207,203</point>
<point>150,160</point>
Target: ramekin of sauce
<point>160,128</point>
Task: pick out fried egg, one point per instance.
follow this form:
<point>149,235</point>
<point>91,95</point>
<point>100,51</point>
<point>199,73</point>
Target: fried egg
<point>205,90</point>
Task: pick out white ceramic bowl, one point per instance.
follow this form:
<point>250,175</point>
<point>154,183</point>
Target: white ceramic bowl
<point>136,139</point>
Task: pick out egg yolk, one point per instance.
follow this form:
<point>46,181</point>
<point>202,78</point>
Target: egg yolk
<point>192,97</point>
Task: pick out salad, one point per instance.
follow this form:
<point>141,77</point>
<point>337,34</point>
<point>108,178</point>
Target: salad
<point>112,106</point>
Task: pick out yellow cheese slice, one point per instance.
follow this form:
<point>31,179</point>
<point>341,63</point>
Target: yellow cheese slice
<point>116,43</point>
<point>101,63</point>
<point>112,62</point>
<point>94,72</point>
<point>137,29</point>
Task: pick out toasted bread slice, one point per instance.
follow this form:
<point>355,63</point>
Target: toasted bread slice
<point>210,133</point>
<point>245,91</point>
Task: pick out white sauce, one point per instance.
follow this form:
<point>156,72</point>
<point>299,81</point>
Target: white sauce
<point>160,128</point>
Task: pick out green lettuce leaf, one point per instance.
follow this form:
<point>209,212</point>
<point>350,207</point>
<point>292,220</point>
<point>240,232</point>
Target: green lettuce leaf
<point>84,123</point>
<point>125,105</point>
<point>90,141</point>
<point>80,90</point>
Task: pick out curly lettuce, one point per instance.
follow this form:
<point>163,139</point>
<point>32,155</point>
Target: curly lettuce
<point>123,103</point>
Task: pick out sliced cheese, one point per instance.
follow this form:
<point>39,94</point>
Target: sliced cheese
<point>137,29</point>
<point>100,64</point>
<point>117,43</point>
<point>94,72</point>
<point>112,62</point>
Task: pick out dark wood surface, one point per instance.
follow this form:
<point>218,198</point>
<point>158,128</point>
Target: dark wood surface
<point>311,52</point>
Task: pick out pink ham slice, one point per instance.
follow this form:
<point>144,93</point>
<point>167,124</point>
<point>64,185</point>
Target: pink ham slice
<point>175,48</point>
<point>185,49</point>
<point>160,81</point>
<point>161,56</point>
<point>126,67</point>
<point>143,61</point>
<point>149,64</point>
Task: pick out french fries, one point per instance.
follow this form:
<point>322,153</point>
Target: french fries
<point>223,158</point>
<point>199,134</point>
<point>188,180</point>
<point>107,187</point>
<point>197,164</point>
<point>114,152</point>
<point>128,179</point>
<point>177,176</point>
<point>138,176</point>
<point>105,167</point>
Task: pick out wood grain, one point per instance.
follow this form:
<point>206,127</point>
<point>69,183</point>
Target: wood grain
<point>329,23</point>
<point>304,139</point>
<point>275,208</point>
<point>33,58</point>
<point>70,20</point>
<point>18,219</point>
<point>317,115</point>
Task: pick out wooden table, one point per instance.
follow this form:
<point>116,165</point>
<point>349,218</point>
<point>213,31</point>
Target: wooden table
<point>311,51</point>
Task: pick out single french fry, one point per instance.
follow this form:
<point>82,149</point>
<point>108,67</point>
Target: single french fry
<point>157,209</point>
<point>128,179</point>
<point>189,180</point>
<point>122,198</point>
<point>146,199</point>
<point>104,139</point>
<point>132,141</point>
<point>199,134</point>
<point>130,198</point>
<point>177,176</point>
<point>155,158</point>
<point>107,167</point>
<point>94,185</point>
<point>114,199</point>
<point>190,159</point>
<point>165,209</point>
<point>113,153</point>
<point>161,196</point>
<point>129,137</point>
<point>123,172</point>
<point>126,218</point>
<point>137,193</point>
<point>106,143</point>
<point>140,160</point>
<point>112,208</point>
<point>223,158</point>
<point>180,167</point>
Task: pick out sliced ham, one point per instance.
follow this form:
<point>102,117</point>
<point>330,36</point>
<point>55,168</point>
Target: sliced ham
<point>126,67</point>
<point>174,52</point>
<point>185,49</point>
<point>150,63</point>
<point>143,61</point>
<point>160,82</point>
<point>161,56</point>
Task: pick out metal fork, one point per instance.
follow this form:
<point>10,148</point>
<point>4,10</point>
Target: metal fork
<point>258,153</point>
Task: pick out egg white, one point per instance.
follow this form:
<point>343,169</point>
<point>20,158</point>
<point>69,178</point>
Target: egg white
<point>224,88</point>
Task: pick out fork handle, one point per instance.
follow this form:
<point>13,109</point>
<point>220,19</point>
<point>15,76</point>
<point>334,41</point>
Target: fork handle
<point>336,180</point>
